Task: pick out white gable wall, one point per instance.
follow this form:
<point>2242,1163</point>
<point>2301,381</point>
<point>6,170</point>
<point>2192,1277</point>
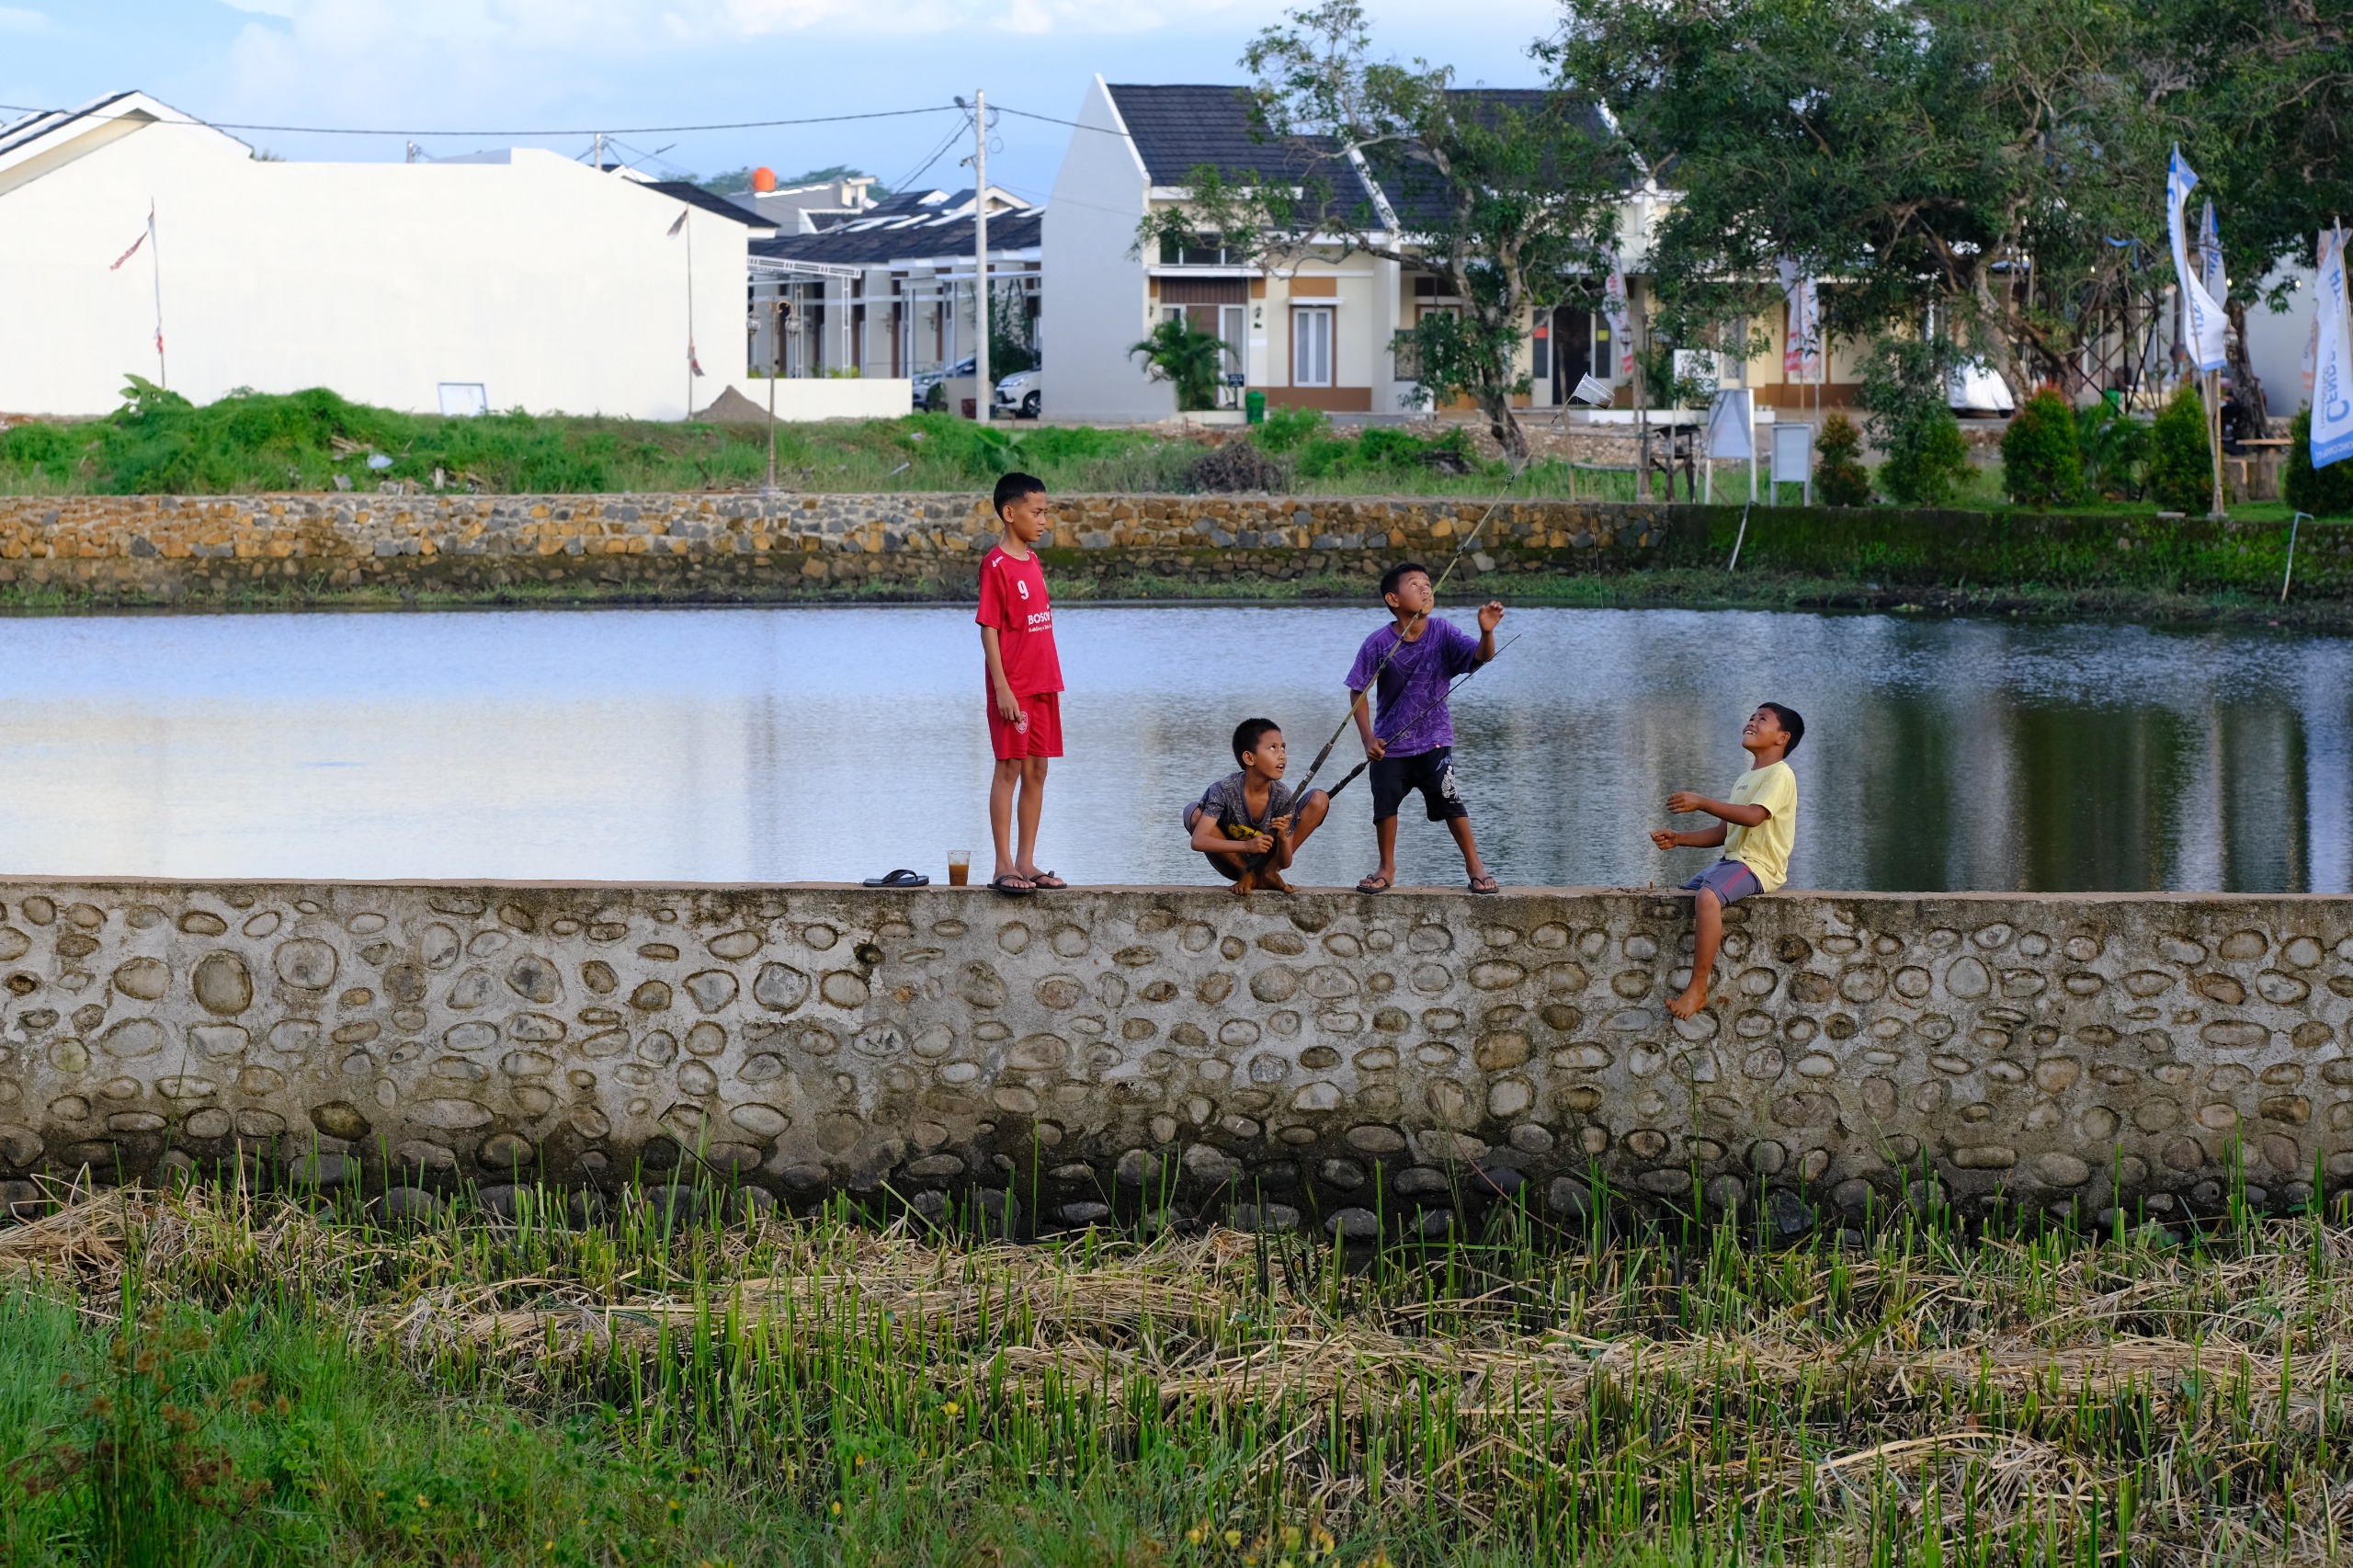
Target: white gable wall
<point>1098,303</point>
<point>555,286</point>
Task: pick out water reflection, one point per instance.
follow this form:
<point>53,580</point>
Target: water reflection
<point>785,744</point>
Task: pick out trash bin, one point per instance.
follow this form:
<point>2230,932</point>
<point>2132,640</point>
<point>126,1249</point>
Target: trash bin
<point>1254,407</point>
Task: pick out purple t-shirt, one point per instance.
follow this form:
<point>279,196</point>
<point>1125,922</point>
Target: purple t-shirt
<point>1415,681</point>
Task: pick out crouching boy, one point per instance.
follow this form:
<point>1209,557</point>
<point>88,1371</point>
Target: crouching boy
<point>1756,828</point>
<point>1245,823</point>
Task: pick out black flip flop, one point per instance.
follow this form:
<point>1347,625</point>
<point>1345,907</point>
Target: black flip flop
<point>902,878</point>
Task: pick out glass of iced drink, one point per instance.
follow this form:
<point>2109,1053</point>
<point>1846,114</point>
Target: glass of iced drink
<point>960,866</point>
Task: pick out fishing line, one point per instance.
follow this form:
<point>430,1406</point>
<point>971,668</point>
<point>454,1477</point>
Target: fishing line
<point>1396,643</point>
<point>1427,708</point>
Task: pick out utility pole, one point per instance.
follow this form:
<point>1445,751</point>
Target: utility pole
<point>981,255</point>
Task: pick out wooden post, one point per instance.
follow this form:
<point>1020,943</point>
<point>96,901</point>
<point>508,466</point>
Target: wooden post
<point>2214,436</point>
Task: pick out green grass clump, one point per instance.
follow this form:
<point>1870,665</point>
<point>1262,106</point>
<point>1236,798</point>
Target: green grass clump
<point>282,1381</point>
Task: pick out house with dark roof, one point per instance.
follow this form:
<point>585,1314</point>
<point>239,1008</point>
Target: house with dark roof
<point>1315,334</point>
<point>889,292</point>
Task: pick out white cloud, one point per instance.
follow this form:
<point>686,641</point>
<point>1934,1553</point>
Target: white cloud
<point>16,19</point>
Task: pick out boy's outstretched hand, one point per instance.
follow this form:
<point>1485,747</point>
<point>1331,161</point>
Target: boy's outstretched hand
<point>1682,803</point>
<point>1491,614</point>
<point>1667,838</point>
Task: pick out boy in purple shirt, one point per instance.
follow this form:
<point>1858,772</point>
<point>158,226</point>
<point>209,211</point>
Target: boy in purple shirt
<point>1412,742</point>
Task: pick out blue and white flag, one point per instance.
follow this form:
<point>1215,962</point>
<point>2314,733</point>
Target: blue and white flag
<point>2210,257</point>
<point>2332,358</point>
<point>2203,318</point>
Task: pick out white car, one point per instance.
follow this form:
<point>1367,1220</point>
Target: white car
<point>1024,393</point>
<point>1974,388</point>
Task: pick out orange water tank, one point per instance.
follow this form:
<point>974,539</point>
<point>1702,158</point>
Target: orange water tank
<point>763,179</point>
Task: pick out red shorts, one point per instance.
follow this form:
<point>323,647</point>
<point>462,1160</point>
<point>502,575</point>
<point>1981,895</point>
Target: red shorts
<point>1040,734</point>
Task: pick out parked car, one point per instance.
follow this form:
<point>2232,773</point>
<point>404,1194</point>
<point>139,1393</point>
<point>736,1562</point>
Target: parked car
<point>1023,392</point>
<point>928,379</point>
<point>1974,388</point>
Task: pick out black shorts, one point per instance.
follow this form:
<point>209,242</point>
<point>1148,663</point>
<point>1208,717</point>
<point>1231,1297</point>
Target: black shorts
<point>1431,772</point>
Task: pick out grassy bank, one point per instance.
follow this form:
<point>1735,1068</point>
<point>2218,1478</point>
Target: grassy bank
<point>253,444</point>
<point>263,443</point>
<point>218,1379</point>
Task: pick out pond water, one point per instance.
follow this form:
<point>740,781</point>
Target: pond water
<point>779,745</point>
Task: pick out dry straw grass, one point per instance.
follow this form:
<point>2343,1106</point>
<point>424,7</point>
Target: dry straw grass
<point>2030,1398</point>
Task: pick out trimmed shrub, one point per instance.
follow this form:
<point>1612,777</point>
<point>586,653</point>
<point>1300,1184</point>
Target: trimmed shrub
<point>2322,491</point>
<point>1840,479</point>
<point>2114,448</point>
<point>2181,465</point>
<point>2041,465</point>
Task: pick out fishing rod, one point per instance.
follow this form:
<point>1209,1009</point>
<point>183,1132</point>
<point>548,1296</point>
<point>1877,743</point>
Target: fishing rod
<point>1407,727</point>
<point>1398,641</point>
<point>1299,799</point>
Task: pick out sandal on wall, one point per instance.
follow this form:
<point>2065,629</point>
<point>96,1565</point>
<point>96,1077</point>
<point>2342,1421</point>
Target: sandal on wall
<point>902,878</point>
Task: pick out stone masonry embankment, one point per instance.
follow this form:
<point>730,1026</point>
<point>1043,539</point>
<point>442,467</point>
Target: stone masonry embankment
<point>750,548</point>
<point>1325,1059</point>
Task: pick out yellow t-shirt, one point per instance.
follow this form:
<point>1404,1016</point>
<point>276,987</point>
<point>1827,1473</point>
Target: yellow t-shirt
<point>1764,848</point>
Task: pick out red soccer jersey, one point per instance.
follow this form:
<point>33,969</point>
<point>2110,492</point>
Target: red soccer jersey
<point>1013,599</point>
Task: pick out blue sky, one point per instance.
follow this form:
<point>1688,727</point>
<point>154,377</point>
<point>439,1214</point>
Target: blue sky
<point>501,64</point>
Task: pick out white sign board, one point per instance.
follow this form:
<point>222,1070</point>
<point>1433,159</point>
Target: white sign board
<point>464,400</point>
<point>1793,457</point>
<point>1730,425</point>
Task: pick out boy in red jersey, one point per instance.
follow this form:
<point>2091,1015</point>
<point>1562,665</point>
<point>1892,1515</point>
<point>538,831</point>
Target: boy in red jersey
<point>1024,680</point>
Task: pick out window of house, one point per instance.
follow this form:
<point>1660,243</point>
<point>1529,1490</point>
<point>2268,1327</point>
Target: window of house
<point>1311,345</point>
<point>1205,251</point>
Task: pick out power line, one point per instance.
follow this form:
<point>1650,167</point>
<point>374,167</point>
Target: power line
<point>591,131</point>
<point>1051,119</point>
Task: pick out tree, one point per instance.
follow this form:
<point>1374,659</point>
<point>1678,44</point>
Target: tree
<point>1510,197</point>
<point>1178,351</point>
<point>1935,160</point>
<point>1904,389</point>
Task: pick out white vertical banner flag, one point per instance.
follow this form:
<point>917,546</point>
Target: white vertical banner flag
<point>1801,348</point>
<point>2332,358</point>
<point>2202,322</point>
<point>2210,257</point>
<point>1613,309</point>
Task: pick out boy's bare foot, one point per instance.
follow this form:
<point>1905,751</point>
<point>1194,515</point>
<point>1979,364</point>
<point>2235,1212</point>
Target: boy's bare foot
<point>1245,883</point>
<point>1694,997</point>
<point>1273,882</point>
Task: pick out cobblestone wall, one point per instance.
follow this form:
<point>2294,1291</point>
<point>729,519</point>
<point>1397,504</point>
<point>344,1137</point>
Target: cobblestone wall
<point>726,544</point>
<point>1321,1060</point>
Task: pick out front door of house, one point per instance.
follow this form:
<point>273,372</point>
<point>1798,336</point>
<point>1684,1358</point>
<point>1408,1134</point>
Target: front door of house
<point>1571,350</point>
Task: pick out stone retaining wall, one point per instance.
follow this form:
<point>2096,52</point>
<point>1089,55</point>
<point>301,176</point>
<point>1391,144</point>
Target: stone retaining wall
<point>744,544</point>
<point>717,547</point>
<point>1324,1058</point>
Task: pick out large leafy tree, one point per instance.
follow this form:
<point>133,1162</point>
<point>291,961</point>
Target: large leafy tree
<point>1509,196</point>
<point>1936,161</point>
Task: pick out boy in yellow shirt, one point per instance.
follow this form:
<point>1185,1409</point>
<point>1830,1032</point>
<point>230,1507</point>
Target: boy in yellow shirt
<point>1758,827</point>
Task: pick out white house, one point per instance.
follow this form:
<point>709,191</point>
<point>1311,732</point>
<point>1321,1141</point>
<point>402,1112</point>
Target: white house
<point>550,284</point>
